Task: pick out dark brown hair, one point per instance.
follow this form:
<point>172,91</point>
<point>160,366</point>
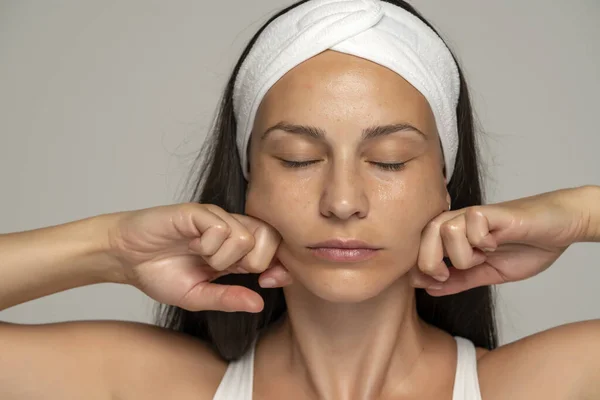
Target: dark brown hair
<point>218,180</point>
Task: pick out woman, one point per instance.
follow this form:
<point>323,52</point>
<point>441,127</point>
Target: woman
<point>353,186</point>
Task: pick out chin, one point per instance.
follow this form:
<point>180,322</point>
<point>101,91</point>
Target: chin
<point>347,294</point>
<point>345,284</point>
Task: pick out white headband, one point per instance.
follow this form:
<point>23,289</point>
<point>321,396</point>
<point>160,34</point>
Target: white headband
<point>371,29</point>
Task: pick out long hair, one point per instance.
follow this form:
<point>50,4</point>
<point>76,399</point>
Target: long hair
<point>218,180</point>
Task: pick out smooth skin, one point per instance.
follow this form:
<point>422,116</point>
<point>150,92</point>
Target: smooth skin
<point>172,253</point>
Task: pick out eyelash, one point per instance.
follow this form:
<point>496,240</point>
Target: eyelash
<point>384,166</point>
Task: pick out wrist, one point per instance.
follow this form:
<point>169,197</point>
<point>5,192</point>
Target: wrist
<point>96,232</point>
<point>587,199</point>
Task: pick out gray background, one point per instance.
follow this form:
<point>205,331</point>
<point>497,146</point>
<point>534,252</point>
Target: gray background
<point>103,105</point>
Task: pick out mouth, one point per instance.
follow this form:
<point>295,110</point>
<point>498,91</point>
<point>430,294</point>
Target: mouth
<point>344,250</point>
<point>351,244</point>
<point>343,255</point>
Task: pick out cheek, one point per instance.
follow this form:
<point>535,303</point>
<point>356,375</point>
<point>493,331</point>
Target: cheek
<point>406,206</point>
<point>402,214</point>
<point>279,202</point>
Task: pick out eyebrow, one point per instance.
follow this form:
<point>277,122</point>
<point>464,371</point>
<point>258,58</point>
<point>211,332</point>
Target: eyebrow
<point>318,133</point>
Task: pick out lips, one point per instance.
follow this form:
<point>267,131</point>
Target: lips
<point>343,255</point>
<point>344,244</point>
<point>344,250</point>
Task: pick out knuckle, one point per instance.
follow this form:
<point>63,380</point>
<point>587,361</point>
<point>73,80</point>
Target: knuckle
<point>448,229</point>
<point>222,228</point>
<point>256,263</point>
<point>252,263</point>
<point>472,211</point>
<point>427,267</point>
<point>436,224</point>
<point>215,264</point>
<point>245,241</point>
<point>269,228</point>
<point>187,300</point>
<point>181,212</point>
<point>475,240</point>
<point>221,300</point>
<point>218,266</point>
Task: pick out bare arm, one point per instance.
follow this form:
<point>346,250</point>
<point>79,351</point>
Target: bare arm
<point>53,361</point>
<point>40,262</point>
<point>104,360</point>
<point>150,250</point>
<point>96,360</point>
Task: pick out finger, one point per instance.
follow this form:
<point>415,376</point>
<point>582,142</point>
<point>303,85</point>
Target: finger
<point>239,243</point>
<point>431,249</point>
<point>210,240</point>
<point>503,222</point>
<point>478,230</point>
<point>277,276</point>
<point>462,280</point>
<point>228,298</point>
<point>418,279</point>
<point>457,246</point>
<point>266,243</point>
<point>207,229</point>
<point>211,228</point>
<point>202,218</point>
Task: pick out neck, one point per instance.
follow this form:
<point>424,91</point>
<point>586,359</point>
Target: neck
<point>357,350</point>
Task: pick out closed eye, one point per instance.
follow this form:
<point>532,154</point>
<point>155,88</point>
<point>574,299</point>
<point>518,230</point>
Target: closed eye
<point>389,167</point>
<point>297,164</point>
<point>384,166</point>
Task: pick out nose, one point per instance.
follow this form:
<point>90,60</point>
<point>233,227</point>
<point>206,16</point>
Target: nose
<point>344,194</point>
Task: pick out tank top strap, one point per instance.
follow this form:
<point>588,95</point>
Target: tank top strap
<point>466,381</point>
<point>237,382</point>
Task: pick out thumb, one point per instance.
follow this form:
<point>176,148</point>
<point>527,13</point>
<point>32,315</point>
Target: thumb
<point>229,298</point>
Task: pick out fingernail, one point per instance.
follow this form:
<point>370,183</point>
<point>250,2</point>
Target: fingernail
<point>441,278</point>
<point>435,286</point>
<point>268,283</point>
<point>488,249</point>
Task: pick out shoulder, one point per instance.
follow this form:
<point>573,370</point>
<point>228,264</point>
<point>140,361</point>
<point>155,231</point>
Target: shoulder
<point>151,362</point>
<point>561,362</point>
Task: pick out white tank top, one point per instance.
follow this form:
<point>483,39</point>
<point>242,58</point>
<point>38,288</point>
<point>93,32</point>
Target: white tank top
<point>237,381</point>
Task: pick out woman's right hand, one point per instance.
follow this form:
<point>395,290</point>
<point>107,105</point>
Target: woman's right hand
<point>172,253</point>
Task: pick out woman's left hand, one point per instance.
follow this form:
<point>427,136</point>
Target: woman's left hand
<point>504,242</point>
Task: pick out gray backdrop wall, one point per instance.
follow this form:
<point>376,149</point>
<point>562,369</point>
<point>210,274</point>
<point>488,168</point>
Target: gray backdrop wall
<point>103,105</point>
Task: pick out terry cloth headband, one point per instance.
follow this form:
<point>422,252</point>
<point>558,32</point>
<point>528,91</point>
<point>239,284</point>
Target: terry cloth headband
<point>371,29</point>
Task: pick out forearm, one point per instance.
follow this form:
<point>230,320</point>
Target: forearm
<point>43,261</point>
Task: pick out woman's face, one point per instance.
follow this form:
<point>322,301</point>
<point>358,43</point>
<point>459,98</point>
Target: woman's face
<point>345,191</point>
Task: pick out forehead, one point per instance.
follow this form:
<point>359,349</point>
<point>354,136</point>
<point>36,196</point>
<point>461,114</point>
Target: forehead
<point>343,87</point>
